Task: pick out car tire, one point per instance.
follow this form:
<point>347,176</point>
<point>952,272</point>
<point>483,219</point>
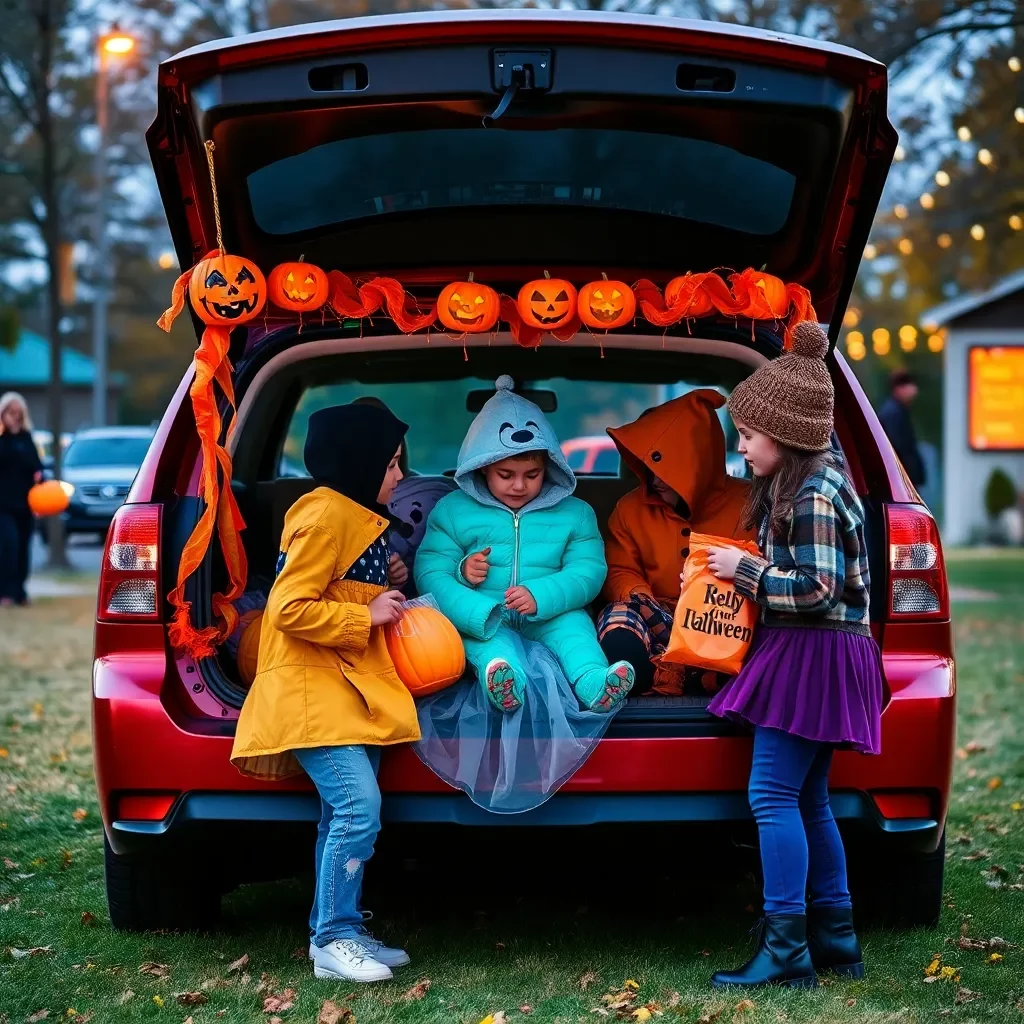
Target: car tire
<point>901,890</point>
<point>146,894</point>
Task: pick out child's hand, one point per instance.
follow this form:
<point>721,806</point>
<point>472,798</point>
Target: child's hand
<point>386,608</point>
<point>723,562</point>
<point>475,567</point>
<point>398,571</point>
<point>519,599</point>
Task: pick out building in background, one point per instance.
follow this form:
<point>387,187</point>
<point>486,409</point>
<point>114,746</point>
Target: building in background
<point>983,404</point>
<point>26,368</point>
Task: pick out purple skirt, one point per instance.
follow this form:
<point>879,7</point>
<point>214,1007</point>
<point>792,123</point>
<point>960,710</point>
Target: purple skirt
<point>821,684</point>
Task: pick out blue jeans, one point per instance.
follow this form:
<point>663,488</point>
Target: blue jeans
<point>346,779</point>
<point>801,848</point>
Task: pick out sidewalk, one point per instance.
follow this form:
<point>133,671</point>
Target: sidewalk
<point>42,586</point>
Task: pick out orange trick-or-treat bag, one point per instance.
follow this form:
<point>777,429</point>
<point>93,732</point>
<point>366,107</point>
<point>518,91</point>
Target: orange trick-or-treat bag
<point>714,622</point>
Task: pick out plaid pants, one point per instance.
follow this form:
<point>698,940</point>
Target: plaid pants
<point>651,622</point>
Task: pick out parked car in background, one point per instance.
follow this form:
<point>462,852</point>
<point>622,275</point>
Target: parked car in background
<point>597,456</point>
<point>100,464</point>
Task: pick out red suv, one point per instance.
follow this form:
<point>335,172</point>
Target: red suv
<point>635,146</point>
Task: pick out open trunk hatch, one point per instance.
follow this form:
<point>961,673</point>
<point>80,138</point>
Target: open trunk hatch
<point>636,146</point>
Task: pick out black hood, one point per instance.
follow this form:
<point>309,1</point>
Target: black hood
<point>349,448</point>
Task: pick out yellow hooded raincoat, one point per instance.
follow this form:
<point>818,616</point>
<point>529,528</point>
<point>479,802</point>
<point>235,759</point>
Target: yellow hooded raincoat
<point>325,677</point>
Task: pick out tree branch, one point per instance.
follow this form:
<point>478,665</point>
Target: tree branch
<point>17,100</point>
<point>951,30</point>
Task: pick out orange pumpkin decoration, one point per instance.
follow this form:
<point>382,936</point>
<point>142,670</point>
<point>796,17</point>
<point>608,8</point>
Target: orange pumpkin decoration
<point>298,286</point>
<point>48,498</point>
<point>426,649</point>
<point>688,293</point>
<point>468,307</point>
<point>773,295</point>
<point>606,304</point>
<point>547,303</point>
<point>226,289</point>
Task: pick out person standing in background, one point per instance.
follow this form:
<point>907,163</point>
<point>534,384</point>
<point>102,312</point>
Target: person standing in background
<point>899,427</point>
<point>20,468</point>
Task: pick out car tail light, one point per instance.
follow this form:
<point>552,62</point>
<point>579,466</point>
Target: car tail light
<point>145,807</point>
<point>917,573</point>
<point>903,804</point>
<point>131,565</point>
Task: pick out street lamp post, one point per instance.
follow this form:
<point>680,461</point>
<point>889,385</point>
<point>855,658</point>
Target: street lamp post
<point>112,44</point>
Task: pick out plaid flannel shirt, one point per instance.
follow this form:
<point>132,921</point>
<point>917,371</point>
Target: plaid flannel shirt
<point>815,572</point>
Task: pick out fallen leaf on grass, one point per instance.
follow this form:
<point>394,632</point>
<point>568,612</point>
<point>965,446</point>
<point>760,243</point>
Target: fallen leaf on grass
<point>88,919</point>
<point>159,1000</point>
<point>711,1016</point>
<point>191,998</point>
<point>587,980</point>
<point>985,945</point>
<point>851,1003</point>
<point>745,1006</point>
<point>36,1017</point>
<point>418,991</point>
<point>993,958</point>
<point>188,1020</point>
<point>80,814</point>
<point>494,1018</point>
<point>526,1009</point>
<point>83,1018</point>
<point>155,970</point>
<point>332,1013</point>
<point>1017,807</point>
<point>674,1000</point>
<point>275,1003</point>
<point>995,782</point>
<point>4,753</point>
<point>237,965</point>
<point>276,1020</point>
<point>20,954</point>
<point>642,1013</point>
<point>977,855</point>
<point>965,995</point>
<point>125,996</point>
<point>10,864</point>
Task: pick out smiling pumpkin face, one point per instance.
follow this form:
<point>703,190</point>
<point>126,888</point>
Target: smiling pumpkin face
<point>547,303</point>
<point>227,290</point>
<point>468,307</point>
<point>298,286</point>
<point>606,304</point>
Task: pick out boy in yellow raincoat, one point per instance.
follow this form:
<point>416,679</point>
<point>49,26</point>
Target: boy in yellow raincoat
<point>326,697</point>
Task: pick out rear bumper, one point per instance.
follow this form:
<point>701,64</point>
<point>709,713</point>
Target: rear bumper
<point>202,816</point>
<point>697,777</point>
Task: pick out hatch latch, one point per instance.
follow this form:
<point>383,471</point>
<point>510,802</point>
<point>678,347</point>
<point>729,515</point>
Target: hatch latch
<point>515,72</point>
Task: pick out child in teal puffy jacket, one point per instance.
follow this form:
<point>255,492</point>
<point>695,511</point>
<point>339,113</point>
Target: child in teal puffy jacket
<point>511,549</point>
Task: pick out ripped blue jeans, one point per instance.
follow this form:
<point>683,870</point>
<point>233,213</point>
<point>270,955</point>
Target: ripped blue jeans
<point>346,779</point>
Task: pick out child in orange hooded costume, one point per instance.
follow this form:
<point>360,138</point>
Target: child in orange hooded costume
<point>677,451</point>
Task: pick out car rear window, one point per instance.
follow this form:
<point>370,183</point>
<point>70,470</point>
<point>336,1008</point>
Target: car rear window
<point>107,451</point>
<point>401,172</point>
<point>438,419</point>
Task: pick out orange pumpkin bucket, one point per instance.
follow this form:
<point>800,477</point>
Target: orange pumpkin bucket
<point>426,648</point>
<point>48,498</point>
<point>714,623</point>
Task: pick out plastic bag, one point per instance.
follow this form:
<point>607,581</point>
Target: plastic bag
<point>714,623</point>
<point>425,647</point>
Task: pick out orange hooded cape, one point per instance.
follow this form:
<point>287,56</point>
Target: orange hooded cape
<point>682,442</point>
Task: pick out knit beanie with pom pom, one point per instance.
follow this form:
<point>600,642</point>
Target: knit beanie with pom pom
<point>791,398</point>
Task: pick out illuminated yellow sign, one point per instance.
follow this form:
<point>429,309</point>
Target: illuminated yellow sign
<point>996,389</point>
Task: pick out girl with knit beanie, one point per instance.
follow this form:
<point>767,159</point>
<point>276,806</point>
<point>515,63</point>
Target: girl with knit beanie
<point>813,681</point>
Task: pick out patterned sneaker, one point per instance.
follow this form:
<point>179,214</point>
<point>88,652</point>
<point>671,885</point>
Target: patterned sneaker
<point>349,960</point>
<point>618,681</point>
<point>503,689</point>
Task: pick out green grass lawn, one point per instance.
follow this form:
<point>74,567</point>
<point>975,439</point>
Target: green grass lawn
<point>492,953</point>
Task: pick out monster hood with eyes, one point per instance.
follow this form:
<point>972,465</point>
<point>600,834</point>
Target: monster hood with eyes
<point>509,424</point>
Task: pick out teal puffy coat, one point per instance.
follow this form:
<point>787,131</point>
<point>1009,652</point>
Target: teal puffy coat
<point>554,550</point>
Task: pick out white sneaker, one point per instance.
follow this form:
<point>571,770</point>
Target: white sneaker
<point>387,955</point>
<point>349,960</point>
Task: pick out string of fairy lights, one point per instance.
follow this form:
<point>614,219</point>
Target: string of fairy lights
<point>909,336</point>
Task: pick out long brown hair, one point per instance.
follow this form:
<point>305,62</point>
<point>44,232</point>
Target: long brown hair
<point>774,496</point>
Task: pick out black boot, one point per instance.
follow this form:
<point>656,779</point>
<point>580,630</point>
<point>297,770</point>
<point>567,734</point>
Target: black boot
<point>833,942</point>
<point>782,957</point>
